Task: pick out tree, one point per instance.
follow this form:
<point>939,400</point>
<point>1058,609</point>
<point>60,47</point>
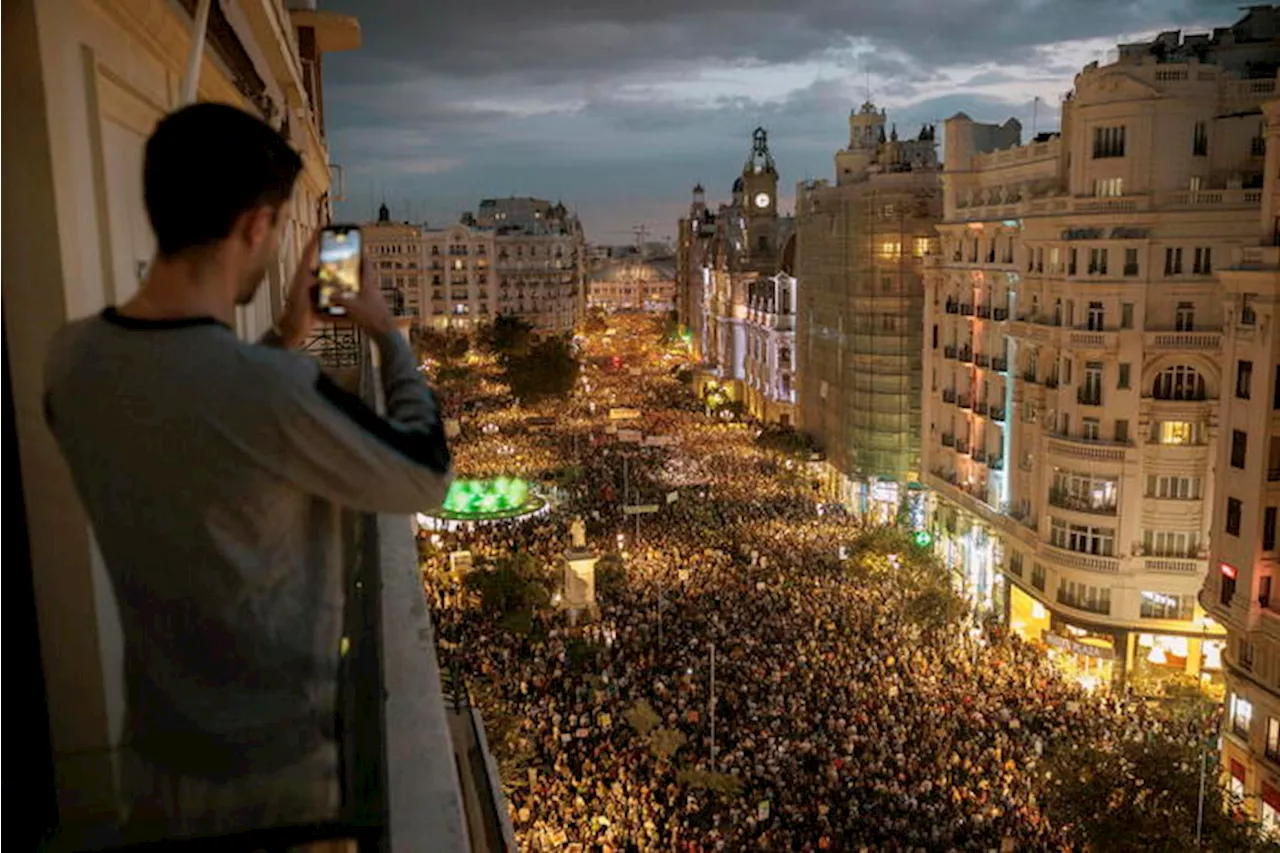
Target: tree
<point>1143,796</point>
<point>549,369</point>
<point>595,322</point>
<point>642,718</point>
<point>509,336</point>
<point>512,587</point>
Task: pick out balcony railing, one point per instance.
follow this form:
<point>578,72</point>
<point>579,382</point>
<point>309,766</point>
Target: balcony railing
<point>999,363</point>
<point>983,311</point>
<point>980,408</point>
<point>948,395</point>
<point>1000,314</point>
<point>981,359</point>
<point>949,352</point>
<point>1066,500</point>
<point>966,309</point>
<point>997,413</point>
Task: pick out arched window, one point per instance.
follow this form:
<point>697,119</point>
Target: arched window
<point>1180,382</point>
<point>784,357</point>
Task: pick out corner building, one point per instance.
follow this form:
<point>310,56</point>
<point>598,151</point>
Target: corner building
<point>1238,590</point>
<point>1074,353</point>
<point>861,246</point>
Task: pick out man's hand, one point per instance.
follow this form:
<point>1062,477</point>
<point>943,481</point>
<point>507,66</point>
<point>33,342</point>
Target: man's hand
<point>367,307</point>
<point>298,317</point>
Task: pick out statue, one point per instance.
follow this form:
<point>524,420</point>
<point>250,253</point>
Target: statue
<point>578,533</point>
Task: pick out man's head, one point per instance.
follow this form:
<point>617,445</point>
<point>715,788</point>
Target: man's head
<point>214,180</point>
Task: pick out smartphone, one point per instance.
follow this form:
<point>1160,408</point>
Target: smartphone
<point>339,270</point>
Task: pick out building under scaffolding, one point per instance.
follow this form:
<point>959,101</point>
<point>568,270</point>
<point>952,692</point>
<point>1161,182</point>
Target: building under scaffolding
<point>860,250</point>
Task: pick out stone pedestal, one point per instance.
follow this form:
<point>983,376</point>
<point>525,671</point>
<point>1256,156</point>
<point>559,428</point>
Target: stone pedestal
<point>579,582</point>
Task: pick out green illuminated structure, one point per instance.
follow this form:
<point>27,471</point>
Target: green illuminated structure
<point>478,500</point>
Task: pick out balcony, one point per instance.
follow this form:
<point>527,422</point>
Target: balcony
<point>1000,364</point>
<point>981,359</point>
<point>965,354</point>
<point>415,771</point>
<point>948,395</point>
<point>952,307</point>
<point>1083,562</point>
<point>966,309</point>
<point>1089,396</point>
<point>981,407</point>
<point>1066,500</point>
<point>1069,447</point>
<point>997,413</point>
<point>1172,566</point>
<point>964,401</point>
<point>983,312</point>
<point>949,352</point>
<point>948,439</point>
<point>1000,315</point>
<point>1091,339</point>
<point>1200,340</point>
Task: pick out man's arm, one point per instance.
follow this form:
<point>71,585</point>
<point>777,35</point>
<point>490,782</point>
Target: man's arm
<point>334,445</point>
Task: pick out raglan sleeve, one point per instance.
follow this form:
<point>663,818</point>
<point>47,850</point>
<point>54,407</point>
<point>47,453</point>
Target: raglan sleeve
<point>332,444</point>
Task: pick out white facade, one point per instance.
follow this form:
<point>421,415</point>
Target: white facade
<point>1073,359</point>
<point>769,358</point>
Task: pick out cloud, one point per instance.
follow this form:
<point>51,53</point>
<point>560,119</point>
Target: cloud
<point>619,107</point>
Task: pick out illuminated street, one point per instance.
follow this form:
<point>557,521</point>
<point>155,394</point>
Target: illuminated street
<point>844,716</point>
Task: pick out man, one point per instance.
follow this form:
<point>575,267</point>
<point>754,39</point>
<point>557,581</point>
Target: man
<point>214,472</point>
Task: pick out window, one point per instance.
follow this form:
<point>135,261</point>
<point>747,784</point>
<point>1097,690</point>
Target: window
<point>1091,429</point>
<point>1055,260</point>
<point>1108,187</point>
<point>1199,140</point>
<point>1096,317</point>
<point>1184,317</point>
<point>1241,715</point>
<point>1122,376</point>
<point>1248,316</point>
<point>1173,487</point>
<point>1178,432</point>
<point>1227,587</point>
<point>1082,538</point>
<point>1084,597</point>
<point>1202,263</point>
<point>1239,445</point>
<point>1269,529</point>
<point>1244,378</point>
<point>923,246</point>
<point>1173,260</point>
<point>1235,510</point>
<point>935,335</point>
<point>1170,543</point>
<point>1083,491</point>
<point>1180,382</point>
<point>890,249</point>
<point>1273,738</point>
<point>1091,389</point>
<point>1126,315</point>
<point>1071,261</point>
<point>1122,431</point>
<point>1130,261</point>
<point>1097,261</point>
<point>1108,142</point>
<point>1160,605</point>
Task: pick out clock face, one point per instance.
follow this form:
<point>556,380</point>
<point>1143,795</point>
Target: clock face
<point>762,200</point>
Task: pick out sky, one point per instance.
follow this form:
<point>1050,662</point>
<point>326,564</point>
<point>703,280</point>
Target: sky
<point>618,107</point>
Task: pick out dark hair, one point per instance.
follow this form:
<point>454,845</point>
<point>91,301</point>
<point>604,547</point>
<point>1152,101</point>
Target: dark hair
<point>206,165</point>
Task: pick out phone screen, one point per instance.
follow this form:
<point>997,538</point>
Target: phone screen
<point>339,267</point>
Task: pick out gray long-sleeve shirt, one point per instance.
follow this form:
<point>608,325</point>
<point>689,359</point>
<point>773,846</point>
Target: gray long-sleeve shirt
<point>214,472</point>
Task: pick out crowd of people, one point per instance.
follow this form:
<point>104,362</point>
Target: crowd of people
<point>834,726</point>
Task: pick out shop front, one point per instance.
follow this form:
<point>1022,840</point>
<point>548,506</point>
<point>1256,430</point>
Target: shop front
<point>1164,662</point>
<point>1086,656</point>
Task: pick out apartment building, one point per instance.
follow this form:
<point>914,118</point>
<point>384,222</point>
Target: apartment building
<point>695,234</point>
<point>1238,590</point>
<point>860,250</point>
<point>395,252</point>
<point>520,256</point>
<point>1074,352</point>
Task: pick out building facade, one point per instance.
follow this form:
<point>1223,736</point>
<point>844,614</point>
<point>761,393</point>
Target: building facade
<point>633,283</point>
<point>84,85</point>
<point>1074,357</point>
<point>723,261</point>
<point>519,256</point>
<point>860,252</point>
<point>1238,590</point>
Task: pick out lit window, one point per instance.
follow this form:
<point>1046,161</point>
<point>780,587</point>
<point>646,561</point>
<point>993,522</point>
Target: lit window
<point>923,246</point>
<point>890,249</point>
<point>1241,715</point>
<point>1177,432</point>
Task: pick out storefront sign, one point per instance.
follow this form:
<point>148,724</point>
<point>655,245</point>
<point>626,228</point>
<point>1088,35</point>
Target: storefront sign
<point>1068,645</point>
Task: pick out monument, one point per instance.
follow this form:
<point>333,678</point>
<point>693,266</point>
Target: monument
<point>579,573</point>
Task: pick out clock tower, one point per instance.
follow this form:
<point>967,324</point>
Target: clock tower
<point>760,197</point>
